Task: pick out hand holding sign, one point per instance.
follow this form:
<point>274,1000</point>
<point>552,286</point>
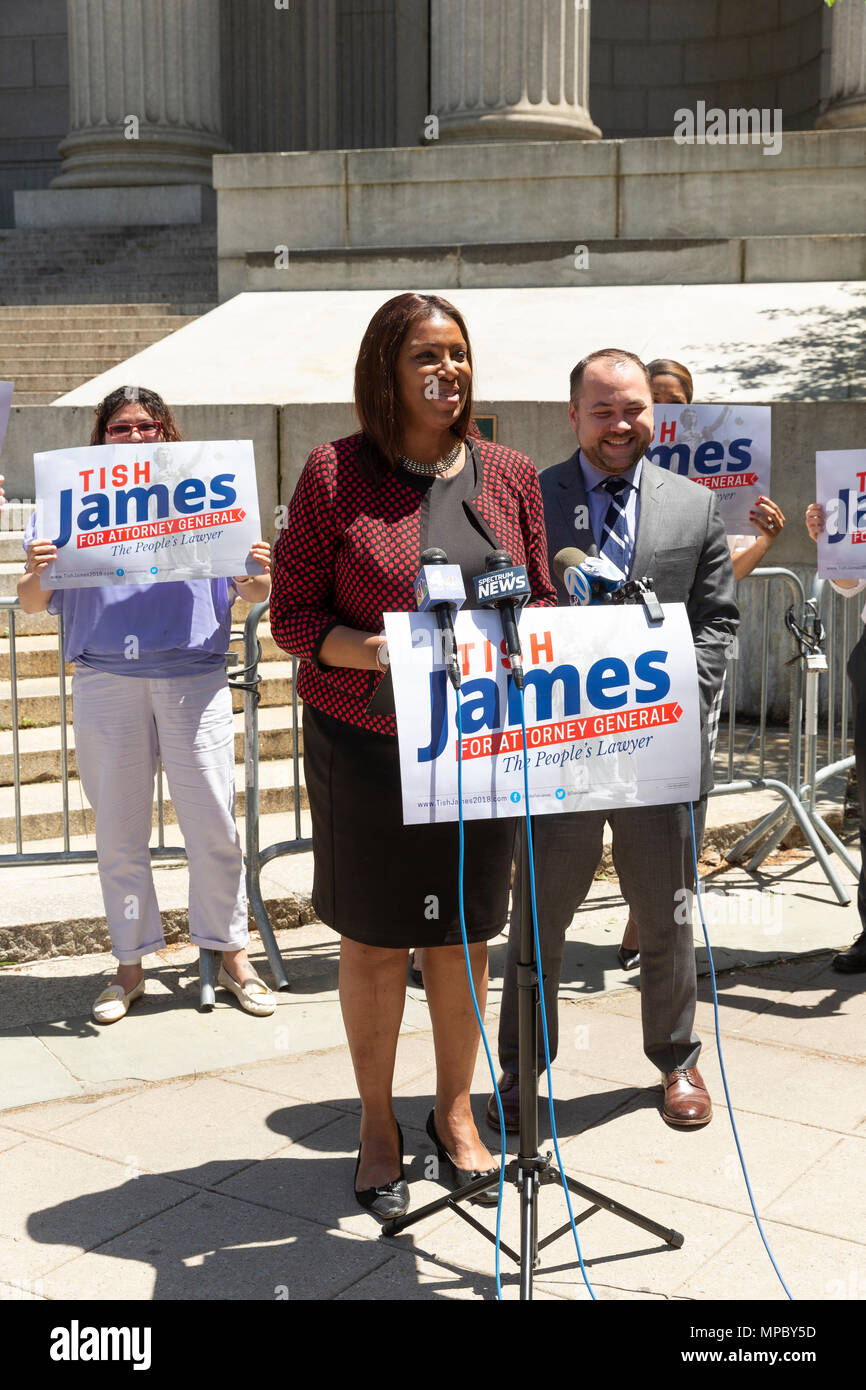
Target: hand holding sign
<point>148,512</point>
<point>839,526</point>
<point>725,448</point>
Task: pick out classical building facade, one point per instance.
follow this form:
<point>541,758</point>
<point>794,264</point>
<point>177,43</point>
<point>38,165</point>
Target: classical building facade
<point>140,94</point>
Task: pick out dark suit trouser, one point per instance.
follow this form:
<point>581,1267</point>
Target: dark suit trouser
<point>857,673</point>
<point>652,855</point>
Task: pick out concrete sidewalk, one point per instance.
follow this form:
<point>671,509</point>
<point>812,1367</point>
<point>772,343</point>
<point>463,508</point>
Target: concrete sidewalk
<point>181,1155</point>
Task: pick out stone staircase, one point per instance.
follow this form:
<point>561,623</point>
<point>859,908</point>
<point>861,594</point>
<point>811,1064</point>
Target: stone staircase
<point>39,730</point>
<point>47,349</point>
<point>108,265</point>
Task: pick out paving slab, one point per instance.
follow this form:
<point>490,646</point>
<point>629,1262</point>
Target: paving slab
<point>812,1088</point>
<point>45,1118</point>
<point>824,1197</point>
<point>31,1072</point>
<point>150,1129</point>
<point>813,1267</point>
<point>221,1249</point>
<point>8,1138</point>
<point>700,1164</point>
<point>617,1254</point>
<point>58,1201</point>
<point>313,1177</point>
<point>799,1019</point>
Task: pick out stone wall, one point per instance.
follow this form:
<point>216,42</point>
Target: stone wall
<point>650,57</point>
<point>34,95</point>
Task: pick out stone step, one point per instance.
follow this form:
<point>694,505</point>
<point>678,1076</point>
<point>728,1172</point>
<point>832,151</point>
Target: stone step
<point>42,808</point>
<point>183,231</point>
<point>11,535</point>
<point>37,397</point>
<point>34,656</point>
<point>654,261</point>
<point>22,368</point>
<point>57,382</point>
<point>39,696</point>
<point>37,655</point>
<point>40,758</point>
<point>10,572</point>
<point>91,287</point>
<point>28,624</point>
<point>140,309</point>
<point>108,339</point>
<point>59,910</point>
<point>85,297</point>
<point>140,264</point>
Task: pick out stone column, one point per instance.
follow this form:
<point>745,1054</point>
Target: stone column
<point>511,69</point>
<point>847,67</point>
<point>144,86</point>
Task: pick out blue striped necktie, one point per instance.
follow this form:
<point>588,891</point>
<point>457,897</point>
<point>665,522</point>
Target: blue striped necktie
<point>614,536</point>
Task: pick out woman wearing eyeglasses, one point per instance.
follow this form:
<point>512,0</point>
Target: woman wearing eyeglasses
<point>150,681</point>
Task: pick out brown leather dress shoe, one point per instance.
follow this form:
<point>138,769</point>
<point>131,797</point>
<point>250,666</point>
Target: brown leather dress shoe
<point>509,1090</point>
<point>687,1100</point>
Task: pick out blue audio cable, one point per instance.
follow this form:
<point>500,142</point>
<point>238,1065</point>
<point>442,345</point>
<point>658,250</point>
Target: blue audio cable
<point>465,941</point>
<point>531,862</point>
<point>721,1059</point>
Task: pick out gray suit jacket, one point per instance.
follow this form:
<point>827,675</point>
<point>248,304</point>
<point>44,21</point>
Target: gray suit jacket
<point>680,545</point>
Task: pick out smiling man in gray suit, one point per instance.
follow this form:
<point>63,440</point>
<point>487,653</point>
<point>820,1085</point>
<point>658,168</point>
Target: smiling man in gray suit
<point>609,499</point>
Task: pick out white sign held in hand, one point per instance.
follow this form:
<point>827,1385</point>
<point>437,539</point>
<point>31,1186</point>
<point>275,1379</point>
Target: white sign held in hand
<point>147,513</point>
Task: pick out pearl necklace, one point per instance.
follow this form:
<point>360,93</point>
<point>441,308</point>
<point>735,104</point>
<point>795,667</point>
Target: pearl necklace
<point>432,470</point>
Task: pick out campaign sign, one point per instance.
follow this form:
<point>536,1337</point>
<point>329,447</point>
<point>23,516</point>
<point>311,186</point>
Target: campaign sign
<point>611,706</point>
<point>841,490</point>
<point>147,513</point>
<point>6,389</point>
<point>722,447</point>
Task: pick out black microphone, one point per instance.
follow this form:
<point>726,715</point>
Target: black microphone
<point>439,589</point>
<point>502,586</point>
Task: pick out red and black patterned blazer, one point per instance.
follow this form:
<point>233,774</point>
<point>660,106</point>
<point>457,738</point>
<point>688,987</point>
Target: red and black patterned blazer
<point>350,552</point>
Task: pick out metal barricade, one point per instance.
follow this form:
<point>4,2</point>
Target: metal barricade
<point>66,855</point>
<point>797,795</point>
<point>256,857</point>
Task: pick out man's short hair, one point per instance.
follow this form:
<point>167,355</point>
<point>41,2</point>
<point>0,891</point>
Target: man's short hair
<point>614,355</point>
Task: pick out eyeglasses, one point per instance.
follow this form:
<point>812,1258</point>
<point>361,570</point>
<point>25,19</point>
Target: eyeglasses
<point>148,429</point>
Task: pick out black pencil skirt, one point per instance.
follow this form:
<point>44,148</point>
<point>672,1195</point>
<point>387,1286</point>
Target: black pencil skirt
<point>381,882</point>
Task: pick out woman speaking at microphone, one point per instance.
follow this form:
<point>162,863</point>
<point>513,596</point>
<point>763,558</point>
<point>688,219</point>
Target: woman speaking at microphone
<point>416,475</point>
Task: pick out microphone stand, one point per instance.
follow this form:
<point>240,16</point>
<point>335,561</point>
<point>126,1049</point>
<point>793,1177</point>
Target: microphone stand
<point>531,1169</point>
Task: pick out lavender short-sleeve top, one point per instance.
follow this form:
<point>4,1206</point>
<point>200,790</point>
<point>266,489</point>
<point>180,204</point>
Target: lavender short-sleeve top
<point>147,630</point>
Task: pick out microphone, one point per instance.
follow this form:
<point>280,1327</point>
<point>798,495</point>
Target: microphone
<point>587,578</point>
<point>439,589</point>
<point>595,579</point>
<point>502,586</point>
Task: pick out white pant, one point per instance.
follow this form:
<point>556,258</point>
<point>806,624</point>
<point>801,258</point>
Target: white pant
<point>122,725</point>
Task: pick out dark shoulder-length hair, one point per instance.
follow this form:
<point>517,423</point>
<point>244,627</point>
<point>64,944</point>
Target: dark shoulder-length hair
<point>126,395</point>
<point>666,366</point>
<point>376,399</point>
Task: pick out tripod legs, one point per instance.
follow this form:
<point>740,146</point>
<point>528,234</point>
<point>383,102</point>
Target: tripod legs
<point>531,1170</point>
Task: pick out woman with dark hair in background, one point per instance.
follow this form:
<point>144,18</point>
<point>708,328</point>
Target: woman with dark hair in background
<point>163,694</point>
<point>364,509</point>
<point>672,385</point>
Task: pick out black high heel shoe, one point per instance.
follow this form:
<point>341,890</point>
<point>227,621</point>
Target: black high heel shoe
<point>415,976</point>
<point>628,956</point>
<point>461,1177</point>
<point>392,1198</point>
